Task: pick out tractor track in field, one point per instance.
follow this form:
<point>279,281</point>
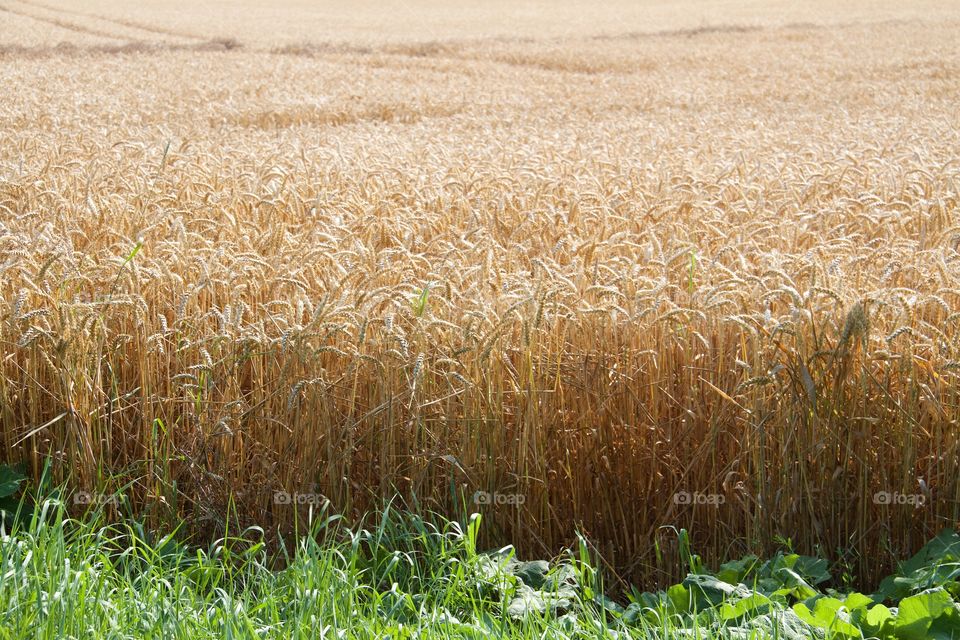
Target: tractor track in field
<point>63,24</point>
<point>131,24</point>
<point>124,48</point>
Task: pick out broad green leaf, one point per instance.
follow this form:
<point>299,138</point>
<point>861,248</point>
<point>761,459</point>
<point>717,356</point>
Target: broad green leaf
<point>877,619</point>
<point>712,587</point>
<point>751,604</point>
<point>781,625</point>
<point>917,613</point>
<point>10,480</point>
<point>533,574</point>
<point>828,614</point>
<point>564,575</point>
<point>634,613</point>
<point>813,570</point>
<point>857,601</point>
<point>947,626</point>
<point>737,570</point>
<point>608,604</point>
<point>936,564</point>
<point>681,598</point>
<point>794,585</point>
<point>525,603</point>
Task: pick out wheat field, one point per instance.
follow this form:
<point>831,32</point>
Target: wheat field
<point>590,257</point>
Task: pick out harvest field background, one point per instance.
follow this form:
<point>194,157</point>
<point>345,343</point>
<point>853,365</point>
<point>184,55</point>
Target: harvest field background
<point>583,257</point>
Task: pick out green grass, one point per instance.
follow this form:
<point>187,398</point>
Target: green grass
<point>64,578</point>
<point>403,577</point>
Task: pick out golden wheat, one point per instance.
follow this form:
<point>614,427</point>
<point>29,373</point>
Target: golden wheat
<point>594,272</point>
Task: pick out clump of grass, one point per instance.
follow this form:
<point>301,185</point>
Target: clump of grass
<point>401,578</point>
<point>399,575</point>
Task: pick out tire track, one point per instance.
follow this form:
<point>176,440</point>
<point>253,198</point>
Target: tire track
<point>131,24</point>
<point>70,26</point>
<point>65,49</point>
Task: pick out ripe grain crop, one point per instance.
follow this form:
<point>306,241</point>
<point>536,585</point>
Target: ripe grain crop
<point>595,272</point>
